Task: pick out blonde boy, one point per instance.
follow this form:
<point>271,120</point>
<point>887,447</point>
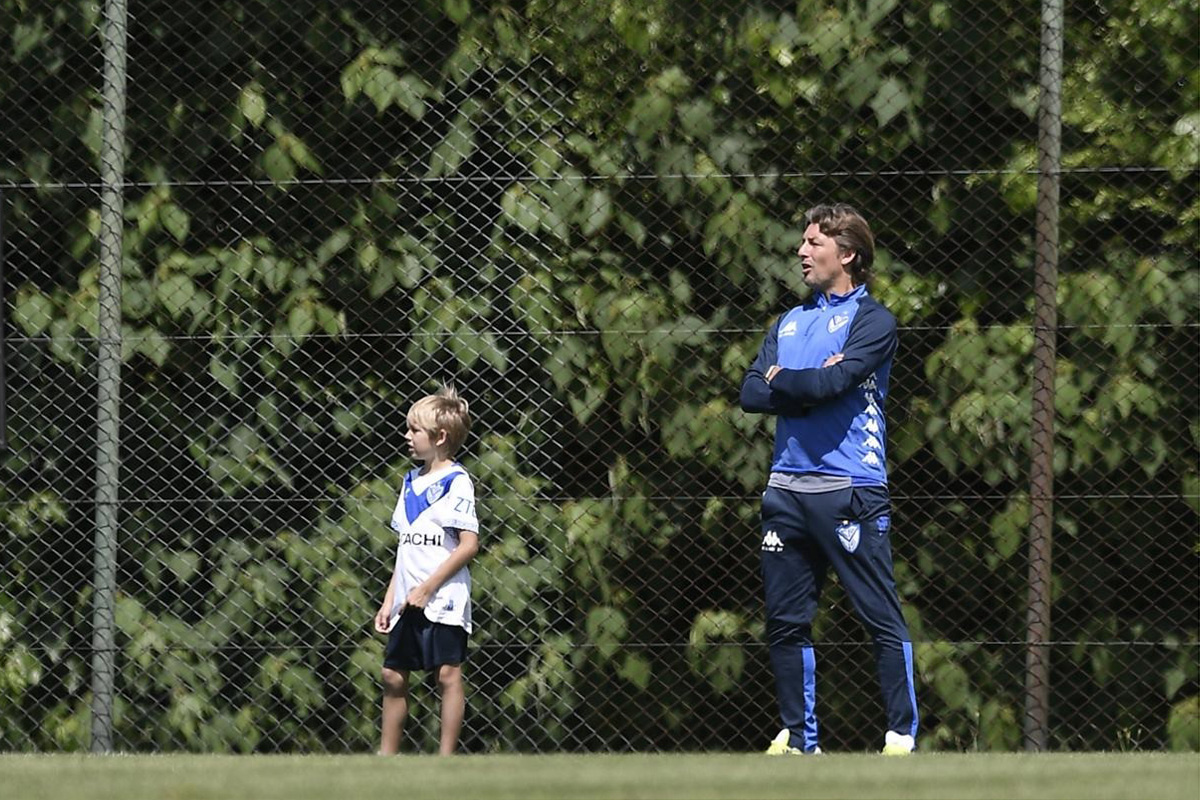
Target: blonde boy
<point>426,611</point>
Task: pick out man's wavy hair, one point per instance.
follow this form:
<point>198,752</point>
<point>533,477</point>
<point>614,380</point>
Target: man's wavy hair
<point>847,227</point>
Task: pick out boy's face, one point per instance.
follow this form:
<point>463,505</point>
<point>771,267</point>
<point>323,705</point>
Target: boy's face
<point>422,445</point>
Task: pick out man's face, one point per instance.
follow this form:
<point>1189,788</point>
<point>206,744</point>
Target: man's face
<point>823,263</point>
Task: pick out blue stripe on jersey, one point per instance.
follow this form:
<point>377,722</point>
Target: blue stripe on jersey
<point>415,504</point>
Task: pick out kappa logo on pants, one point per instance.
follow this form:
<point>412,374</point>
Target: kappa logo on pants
<point>848,533</point>
<point>772,543</point>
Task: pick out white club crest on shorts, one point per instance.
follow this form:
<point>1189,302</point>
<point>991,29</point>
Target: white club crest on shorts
<point>848,533</point>
<point>772,543</point>
<point>434,493</point>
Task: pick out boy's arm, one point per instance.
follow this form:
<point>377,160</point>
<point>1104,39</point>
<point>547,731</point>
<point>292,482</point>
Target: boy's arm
<point>468,546</point>
<point>383,616</point>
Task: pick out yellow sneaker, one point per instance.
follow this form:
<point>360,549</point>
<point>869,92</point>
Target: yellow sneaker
<point>781,746</point>
<point>898,744</point>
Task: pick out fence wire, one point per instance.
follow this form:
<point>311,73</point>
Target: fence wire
<point>584,214</point>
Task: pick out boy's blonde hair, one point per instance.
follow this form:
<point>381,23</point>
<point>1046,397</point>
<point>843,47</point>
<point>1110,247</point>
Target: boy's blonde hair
<point>442,412</point>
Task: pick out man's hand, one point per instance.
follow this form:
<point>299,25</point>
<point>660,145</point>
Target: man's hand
<point>829,362</point>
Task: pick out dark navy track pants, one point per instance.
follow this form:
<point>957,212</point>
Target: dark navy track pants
<point>803,535</point>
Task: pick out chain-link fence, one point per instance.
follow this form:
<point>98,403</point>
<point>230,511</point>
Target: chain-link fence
<point>583,213</point>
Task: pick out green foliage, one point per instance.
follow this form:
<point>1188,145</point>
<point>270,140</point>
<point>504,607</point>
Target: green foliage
<point>710,653</point>
<point>1183,725</point>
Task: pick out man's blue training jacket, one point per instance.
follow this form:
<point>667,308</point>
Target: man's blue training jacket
<point>831,419</point>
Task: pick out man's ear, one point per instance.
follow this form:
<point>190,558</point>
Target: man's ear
<point>847,257</point>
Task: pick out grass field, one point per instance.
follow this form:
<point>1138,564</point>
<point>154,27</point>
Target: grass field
<point>1094,776</point>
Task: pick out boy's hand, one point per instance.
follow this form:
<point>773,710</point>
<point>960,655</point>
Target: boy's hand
<point>419,596</point>
<point>383,621</point>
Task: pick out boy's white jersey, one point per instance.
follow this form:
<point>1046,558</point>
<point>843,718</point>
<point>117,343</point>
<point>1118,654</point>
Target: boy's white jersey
<point>430,512</point>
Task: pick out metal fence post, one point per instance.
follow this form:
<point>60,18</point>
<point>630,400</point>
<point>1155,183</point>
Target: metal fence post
<point>108,372</point>
<point>3,374</point>
<point>1041,492</point>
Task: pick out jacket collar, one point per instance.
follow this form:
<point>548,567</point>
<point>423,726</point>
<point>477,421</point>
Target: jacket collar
<point>831,299</point>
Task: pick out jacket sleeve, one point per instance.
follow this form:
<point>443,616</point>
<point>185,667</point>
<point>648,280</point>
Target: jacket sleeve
<point>872,340</point>
<point>757,396</point>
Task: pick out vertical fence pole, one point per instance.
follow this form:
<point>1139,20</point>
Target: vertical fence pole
<point>3,374</point>
<point>108,373</point>
<point>1045,315</point>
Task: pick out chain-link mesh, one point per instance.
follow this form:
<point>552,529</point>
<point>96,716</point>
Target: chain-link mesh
<point>583,214</point>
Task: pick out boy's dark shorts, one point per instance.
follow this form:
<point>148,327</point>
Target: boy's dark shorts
<point>417,643</point>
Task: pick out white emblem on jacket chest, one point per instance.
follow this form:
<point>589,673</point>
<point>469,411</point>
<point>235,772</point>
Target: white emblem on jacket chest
<point>838,322</point>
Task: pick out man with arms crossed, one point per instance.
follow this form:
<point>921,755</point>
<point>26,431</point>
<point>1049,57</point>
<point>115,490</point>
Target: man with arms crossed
<point>823,370</point>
